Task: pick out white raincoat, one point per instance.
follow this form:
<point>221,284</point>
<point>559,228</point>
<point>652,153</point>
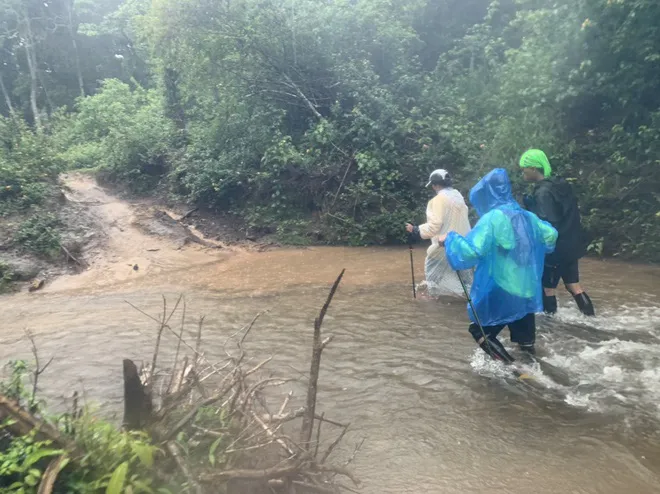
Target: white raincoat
<point>446,212</point>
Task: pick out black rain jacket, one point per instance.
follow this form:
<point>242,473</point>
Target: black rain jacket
<point>553,200</point>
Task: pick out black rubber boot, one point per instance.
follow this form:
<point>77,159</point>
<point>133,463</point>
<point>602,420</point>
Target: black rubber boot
<point>549,304</point>
<point>584,304</point>
<point>528,348</point>
<point>495,350</point>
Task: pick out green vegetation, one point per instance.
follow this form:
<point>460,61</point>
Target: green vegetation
<point>40,235</point>
<point>6,276</point>
<point>28,167</point>
<point>113,460</point>
<point>320,120</point>
<point>29,170</point>
<point>199,426</point>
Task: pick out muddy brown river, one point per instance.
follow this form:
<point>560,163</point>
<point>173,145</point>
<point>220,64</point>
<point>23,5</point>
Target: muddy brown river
<point>435,416</point>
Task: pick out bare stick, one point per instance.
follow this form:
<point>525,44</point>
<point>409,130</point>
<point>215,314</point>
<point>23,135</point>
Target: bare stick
<point>169,329</point>
<point>334,444</point>
<point>197,383</point>
<point>187,215</point>
<point>245,330</point>
<point>174,451</point>
<point>191,415</point>
<point>318,437</point>
<point>318,345</point>
<point>160,333</point>
<point>288,417</point>
<point>271,434</point>
<point>346,488</point>
<point>350,162</point>
<point>208,432</point>
<point>331,295</point>
<point>198,344</point>
<point>339,471</point>
<point>255,387</point>
<point>178,346</point>
<point>70,256</point>
<point>286,402</point>
<point>358,447</point>
<point>316,488</point>
<point>343,470</point>
<point>179,376</point>
<point>302,96</point>
<point>266,474</point>
<point>37,369</point>
<point>248,448</point>
<point>259,366</point>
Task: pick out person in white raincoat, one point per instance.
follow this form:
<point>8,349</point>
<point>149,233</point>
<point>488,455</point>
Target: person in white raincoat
<point>446,212</point>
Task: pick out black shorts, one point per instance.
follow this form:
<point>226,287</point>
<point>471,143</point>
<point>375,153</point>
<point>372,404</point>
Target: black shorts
<point>523,331</point>
<point>568,272</point>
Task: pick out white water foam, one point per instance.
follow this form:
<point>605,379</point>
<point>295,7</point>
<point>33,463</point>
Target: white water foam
<point>614,358</point>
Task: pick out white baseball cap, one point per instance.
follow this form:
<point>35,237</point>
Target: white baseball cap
<point>438,175</point>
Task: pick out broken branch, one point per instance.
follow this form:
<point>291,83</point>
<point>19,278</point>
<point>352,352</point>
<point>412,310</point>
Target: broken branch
<point>318,346</point>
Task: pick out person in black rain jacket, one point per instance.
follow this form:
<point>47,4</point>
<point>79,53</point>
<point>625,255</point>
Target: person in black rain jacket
<point>553,200</point>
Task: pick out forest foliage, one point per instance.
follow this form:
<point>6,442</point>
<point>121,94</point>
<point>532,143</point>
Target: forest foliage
<point>320,120</point>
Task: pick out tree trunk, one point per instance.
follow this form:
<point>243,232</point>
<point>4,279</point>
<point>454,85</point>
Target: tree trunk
<point>137,401</point>
<point>49,104</point>
<point>5,93</point>
<point>32,66</point>
<point>175,109</point>
<point>81,82</point>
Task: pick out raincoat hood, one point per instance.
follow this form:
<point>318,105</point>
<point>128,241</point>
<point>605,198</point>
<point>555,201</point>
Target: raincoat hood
<point>492,191</point>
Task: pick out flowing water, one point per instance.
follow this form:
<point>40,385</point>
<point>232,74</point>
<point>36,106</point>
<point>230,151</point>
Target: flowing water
<point>436,418</point>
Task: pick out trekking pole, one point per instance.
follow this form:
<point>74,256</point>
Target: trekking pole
<point>412,268</point>
<point>474,311</point>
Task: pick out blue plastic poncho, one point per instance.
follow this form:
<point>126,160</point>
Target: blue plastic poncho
<point>508,246</point>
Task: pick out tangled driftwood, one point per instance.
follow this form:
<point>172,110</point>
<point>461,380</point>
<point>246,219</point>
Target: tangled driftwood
<point>257,449</point>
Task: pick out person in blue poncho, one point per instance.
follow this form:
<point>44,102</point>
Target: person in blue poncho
<point>508,246</point>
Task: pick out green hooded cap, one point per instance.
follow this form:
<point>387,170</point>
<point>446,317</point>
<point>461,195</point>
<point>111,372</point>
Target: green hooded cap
<point>535,158</point>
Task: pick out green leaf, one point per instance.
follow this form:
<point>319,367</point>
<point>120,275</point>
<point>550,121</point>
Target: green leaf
<point>140,486</point>
<point>145,453</point>
<point>116,484</point>
<point>39,454</point>
<point>214,446</point>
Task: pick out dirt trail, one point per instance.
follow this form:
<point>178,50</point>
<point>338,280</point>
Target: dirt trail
<point>172,256</point>
<point>132,241</point>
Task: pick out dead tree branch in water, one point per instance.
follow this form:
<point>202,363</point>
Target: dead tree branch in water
<point>217,414</point>
<point>318,345</point>
<point>181,463</point>
<point>38,370</point>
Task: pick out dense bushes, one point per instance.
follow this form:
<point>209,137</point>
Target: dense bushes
<point>321,120</point>
<point>28,167</point>
<point>114,460</point>
<point>120,131</point>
